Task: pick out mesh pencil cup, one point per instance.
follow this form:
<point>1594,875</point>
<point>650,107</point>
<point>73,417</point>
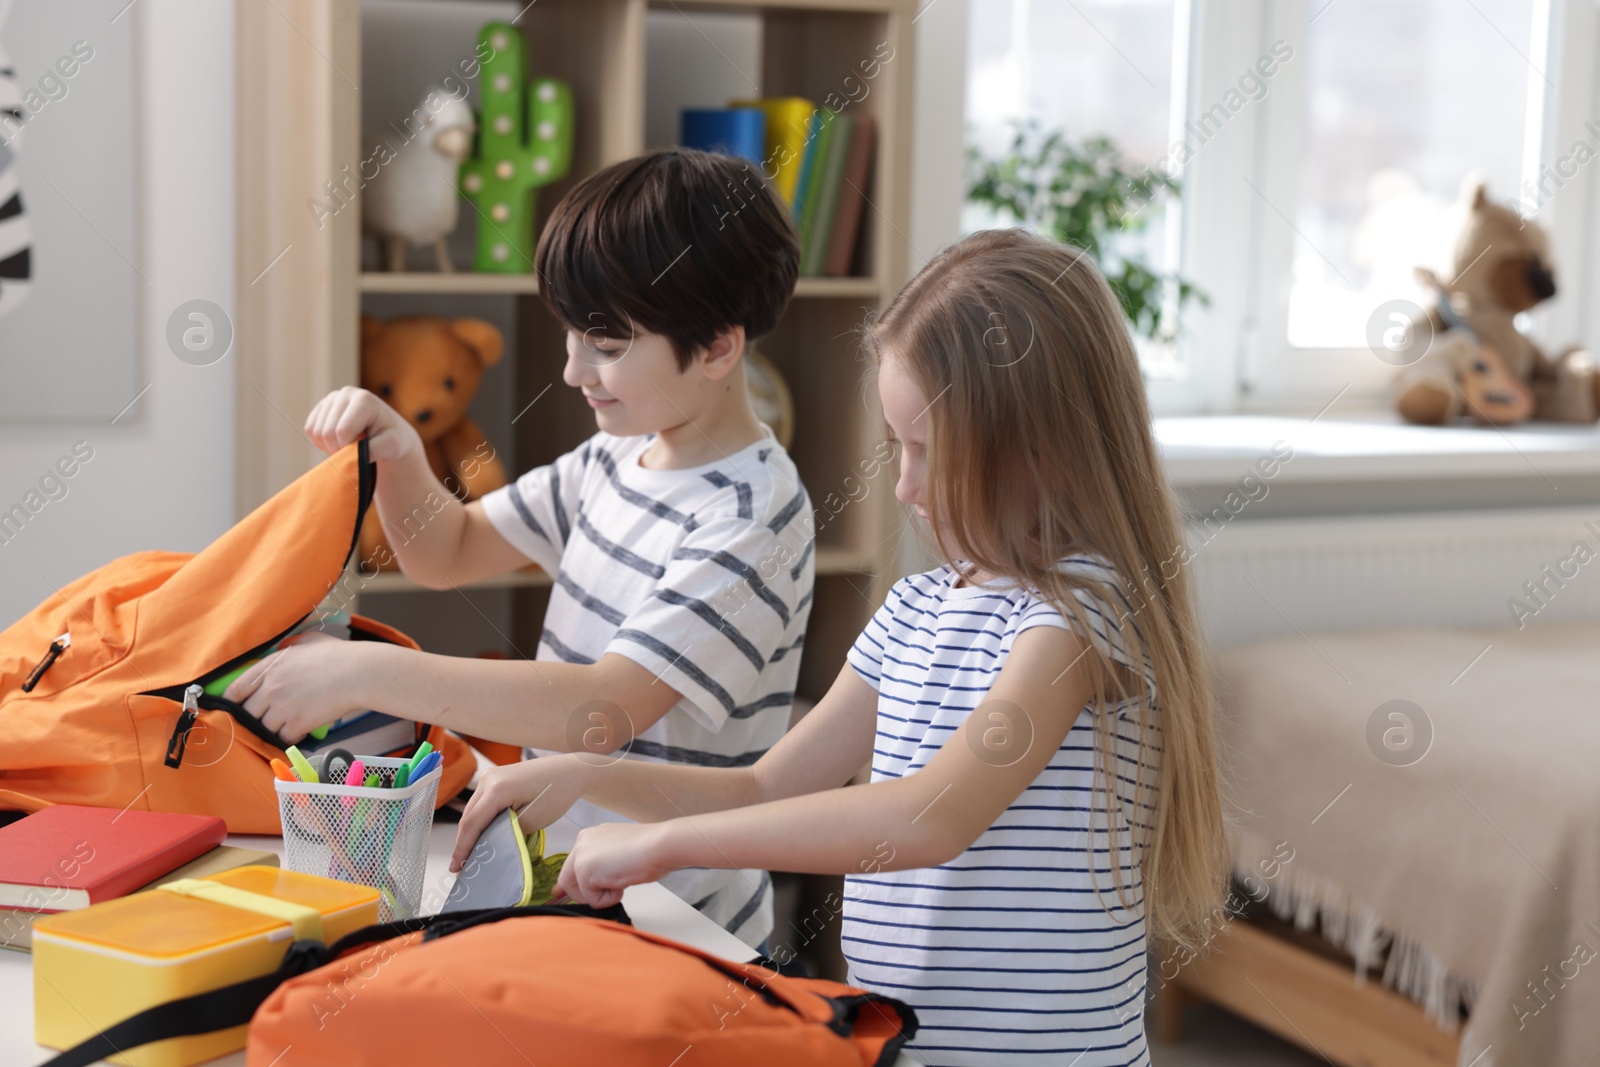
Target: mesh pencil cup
<point>373,836</point>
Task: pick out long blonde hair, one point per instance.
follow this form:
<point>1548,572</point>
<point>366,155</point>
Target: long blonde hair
<point>1040,447</point>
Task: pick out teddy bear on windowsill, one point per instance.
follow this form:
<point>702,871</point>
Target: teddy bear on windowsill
<point>1478,364</point>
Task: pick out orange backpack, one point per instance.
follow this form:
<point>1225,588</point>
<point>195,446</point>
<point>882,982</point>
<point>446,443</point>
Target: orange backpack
<point>549,985</point>
<point>92,680</point>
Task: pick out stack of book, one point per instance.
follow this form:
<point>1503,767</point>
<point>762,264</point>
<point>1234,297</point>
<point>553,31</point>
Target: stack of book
<point>819,160</point>
<point>66,857</point>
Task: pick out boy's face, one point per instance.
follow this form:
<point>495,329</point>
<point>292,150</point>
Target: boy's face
<point>634,384</point>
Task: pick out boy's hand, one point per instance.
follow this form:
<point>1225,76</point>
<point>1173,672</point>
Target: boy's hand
<point>607,859</point>
<point>539,790</point>
<point>346,414</point>
<point>302,686</point>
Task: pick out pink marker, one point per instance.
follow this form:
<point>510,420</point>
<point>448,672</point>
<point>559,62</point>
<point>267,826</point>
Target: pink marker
<point>354,776</point>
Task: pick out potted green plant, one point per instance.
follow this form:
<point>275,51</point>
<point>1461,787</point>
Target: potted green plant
<point>1087,193</point>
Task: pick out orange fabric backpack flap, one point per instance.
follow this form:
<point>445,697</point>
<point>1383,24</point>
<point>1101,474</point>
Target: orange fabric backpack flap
<point>557,990</point>
<point>92,680</point>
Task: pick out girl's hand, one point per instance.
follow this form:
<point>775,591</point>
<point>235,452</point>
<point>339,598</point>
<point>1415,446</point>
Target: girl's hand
<point>346,414</point>
<point>302,686</point>
<point>540,790</point>
<point>607,859</point>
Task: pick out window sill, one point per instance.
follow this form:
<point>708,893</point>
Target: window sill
<point>1373,446</point>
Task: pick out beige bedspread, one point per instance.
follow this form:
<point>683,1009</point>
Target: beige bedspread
<point>1480,860</point>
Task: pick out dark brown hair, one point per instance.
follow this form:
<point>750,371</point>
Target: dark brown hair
<point>678,242</point>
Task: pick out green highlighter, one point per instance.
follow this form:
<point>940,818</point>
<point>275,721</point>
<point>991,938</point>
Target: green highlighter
<point>219,685</point>
<point>418,756</point>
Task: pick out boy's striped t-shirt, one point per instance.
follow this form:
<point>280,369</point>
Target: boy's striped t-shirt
<point>1007,953</point>
<point>704,577</point>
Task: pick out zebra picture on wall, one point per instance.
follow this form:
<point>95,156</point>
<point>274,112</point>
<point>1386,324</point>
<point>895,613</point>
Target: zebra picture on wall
<point>16,242</point>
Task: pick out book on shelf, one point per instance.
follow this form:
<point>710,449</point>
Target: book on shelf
<point>814,179</point>
<point>734,131</point>
<point>845,228</point>
<point>808,163</point>
<point>819,161</point>
<point>789,123</point>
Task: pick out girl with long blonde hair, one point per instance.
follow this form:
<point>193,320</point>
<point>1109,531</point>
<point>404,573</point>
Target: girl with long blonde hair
<point>1037,712</point>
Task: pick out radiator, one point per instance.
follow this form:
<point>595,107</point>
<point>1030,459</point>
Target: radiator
<point>1273,577</point>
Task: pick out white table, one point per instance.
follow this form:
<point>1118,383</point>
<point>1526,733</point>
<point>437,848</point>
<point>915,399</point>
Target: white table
<point>653,908</point>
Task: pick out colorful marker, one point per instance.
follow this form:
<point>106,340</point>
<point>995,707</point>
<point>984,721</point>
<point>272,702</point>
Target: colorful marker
<point>421,754</point>
<point>429,762</point>
<point>301,765</point>
<point>353,776</point>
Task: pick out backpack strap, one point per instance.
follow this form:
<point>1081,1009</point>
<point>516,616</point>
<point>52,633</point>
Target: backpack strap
<point>235,1005</point>
<point>203,1013</point>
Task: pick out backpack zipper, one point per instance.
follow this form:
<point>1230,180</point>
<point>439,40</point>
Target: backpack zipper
<point>186,720</point>
<point>53,653</point>
<point>195,698</point>
<point>204,701</point>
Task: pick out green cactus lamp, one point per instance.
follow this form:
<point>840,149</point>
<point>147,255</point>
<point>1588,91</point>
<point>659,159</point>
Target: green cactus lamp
<point>524,141</point>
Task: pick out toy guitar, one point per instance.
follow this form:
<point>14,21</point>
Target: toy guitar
<point>1494,395</point>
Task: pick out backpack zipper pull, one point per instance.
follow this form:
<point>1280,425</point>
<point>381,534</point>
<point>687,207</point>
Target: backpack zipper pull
<point>53,653</point>
<point>186,721</point>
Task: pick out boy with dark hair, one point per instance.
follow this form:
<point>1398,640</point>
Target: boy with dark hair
<point>680,601</point>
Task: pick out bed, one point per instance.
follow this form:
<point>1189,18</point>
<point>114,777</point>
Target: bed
<point>1427,804</point>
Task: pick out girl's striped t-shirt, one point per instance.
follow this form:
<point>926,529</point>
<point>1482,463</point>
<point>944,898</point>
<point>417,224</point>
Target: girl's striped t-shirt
<point>704,577</point>
<point>1008,953</point>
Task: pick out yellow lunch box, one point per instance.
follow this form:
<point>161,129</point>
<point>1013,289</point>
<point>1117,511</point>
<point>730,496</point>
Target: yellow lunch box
<point>96,967</point>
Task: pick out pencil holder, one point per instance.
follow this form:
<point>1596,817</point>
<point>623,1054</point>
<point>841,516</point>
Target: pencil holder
<point>372,836</point>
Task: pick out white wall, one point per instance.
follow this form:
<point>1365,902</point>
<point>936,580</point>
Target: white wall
<point>938,137</point>
<point>162,475</point>
<point>938,163</point>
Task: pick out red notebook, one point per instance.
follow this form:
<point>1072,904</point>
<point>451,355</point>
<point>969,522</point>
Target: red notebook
<point>67,857</point>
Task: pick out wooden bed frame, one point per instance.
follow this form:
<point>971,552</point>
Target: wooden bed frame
<point>1283,981</point>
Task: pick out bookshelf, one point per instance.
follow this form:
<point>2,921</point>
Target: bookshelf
<point>470,284</point>
<point>303,104</point>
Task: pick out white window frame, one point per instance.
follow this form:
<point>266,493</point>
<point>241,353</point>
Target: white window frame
<point>1237,247</point>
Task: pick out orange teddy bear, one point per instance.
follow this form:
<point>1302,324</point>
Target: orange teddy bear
<point>428,369</point>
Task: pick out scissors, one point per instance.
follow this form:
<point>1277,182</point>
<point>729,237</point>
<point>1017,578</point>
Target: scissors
<point>327,763</point>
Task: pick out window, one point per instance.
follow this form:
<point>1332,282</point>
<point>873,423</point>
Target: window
<point>1088,68</point>
<point>1401,101</point>
<point>1309,204</point>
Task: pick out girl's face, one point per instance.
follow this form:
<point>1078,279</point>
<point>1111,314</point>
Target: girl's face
<point>907,412</point>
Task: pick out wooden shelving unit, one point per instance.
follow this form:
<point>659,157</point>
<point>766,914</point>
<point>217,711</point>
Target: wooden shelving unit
<point>301,285</point>
<point>299,128</point>
<point>469,284</point>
